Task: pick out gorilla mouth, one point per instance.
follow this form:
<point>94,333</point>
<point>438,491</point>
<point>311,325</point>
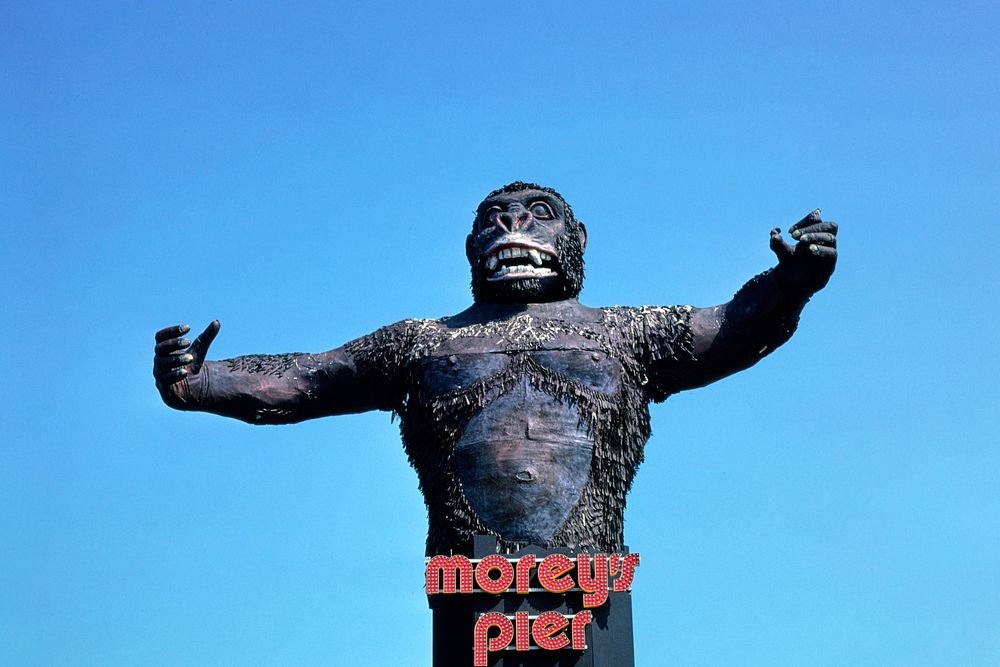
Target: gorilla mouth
<point>518,262</point>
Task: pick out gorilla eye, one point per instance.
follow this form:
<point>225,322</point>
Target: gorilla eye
<point>541,211</point>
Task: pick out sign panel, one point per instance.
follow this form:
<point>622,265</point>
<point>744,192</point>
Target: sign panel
<point>592,575</point>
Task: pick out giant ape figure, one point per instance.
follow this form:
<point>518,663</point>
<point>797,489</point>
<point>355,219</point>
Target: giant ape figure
<point>525,415</point>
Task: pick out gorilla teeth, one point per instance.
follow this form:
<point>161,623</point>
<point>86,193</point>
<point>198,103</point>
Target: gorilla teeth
<point>536,256</point>
<point>523,269</point>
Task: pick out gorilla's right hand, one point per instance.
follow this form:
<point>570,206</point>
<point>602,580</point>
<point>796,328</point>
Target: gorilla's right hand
<point>177,363</point>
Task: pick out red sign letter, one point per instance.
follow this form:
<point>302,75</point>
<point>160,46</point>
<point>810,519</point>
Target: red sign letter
<point>624,582</point>
<point>521,627</point>
<point>551,571</point>
<point>486,566</point>
<point>449,569</point>
<point>580,622</point>
<point>524,565</point>
<point>595,588</point>
<point>481,644</point>
<point>547,625</point>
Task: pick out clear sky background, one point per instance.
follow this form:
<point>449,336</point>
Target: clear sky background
<point>307,173</point>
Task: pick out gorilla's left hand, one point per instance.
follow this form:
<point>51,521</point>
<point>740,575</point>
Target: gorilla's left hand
<point>808,265</point>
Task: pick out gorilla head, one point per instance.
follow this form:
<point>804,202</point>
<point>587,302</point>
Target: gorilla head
<point>525,246</point>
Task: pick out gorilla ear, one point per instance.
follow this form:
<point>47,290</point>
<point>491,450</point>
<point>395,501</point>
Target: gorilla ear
<point>468,248</point>
<point>583,235</point>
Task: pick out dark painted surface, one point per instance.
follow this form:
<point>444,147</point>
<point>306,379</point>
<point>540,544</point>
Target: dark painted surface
<point>523,460</point>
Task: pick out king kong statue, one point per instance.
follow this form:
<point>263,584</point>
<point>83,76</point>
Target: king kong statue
<point>525,415</point>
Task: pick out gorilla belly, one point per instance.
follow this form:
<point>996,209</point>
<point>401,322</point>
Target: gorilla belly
<point>523,461</point>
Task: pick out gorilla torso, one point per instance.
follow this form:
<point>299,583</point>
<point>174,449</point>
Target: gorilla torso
<point>526,423</point>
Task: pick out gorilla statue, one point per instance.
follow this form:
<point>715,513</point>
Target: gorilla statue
<point>525,415</point>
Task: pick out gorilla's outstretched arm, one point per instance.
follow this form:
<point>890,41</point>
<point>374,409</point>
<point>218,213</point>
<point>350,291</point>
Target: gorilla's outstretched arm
<point>262,388</point>
<point>764,313</point>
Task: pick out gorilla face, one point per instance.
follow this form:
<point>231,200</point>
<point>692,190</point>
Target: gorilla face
<point>525,246</point>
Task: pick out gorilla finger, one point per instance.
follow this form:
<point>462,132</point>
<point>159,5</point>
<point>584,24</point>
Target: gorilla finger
<point>167,378</point>
<point>167,361</point>
<point>819,237</point>
<point>825,226</point>
<point>172,332</point>
<point>171,345</point>
<point>814,217</point>
<point>778,245</point>
<point>822,251</point>
<point>201,344</point>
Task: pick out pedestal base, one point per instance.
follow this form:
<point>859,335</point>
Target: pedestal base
<point>609,635</point>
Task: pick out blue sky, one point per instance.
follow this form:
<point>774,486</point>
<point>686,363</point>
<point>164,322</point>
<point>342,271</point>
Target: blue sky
<point>306,174</point>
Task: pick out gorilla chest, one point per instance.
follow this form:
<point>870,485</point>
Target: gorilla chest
<point>524,452</point>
